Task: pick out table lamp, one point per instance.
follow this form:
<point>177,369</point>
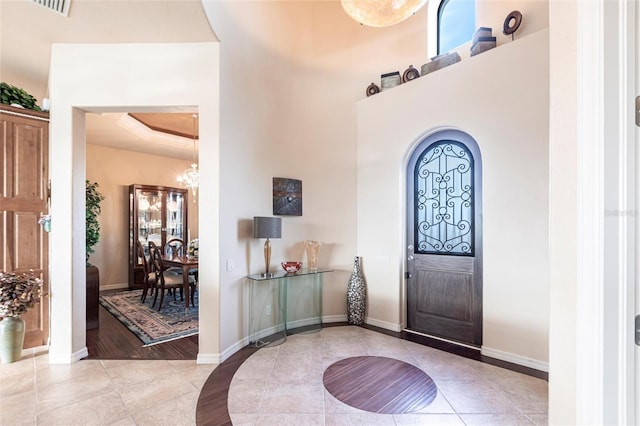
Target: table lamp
<point>267,227</point>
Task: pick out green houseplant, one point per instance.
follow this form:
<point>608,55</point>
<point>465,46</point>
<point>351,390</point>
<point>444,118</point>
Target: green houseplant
<point>93,200</point>
<point>14,95</point>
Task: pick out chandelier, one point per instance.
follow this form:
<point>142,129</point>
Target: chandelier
<point>190,178</point>
<point>381,13</point>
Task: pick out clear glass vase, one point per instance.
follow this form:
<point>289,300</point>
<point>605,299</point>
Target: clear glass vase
<point>312,248</point>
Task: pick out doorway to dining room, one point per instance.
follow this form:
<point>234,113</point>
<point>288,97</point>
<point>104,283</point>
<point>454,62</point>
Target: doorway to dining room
<point>123,149</point>
<point>158,77</point>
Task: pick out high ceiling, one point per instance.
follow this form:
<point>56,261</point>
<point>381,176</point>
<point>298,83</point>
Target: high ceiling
<point>26,52</point>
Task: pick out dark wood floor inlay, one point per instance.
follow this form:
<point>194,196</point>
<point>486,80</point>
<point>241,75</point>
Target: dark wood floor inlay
<point>380,385</point>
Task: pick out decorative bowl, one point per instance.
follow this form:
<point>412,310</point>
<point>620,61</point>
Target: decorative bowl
<point>291,267</point>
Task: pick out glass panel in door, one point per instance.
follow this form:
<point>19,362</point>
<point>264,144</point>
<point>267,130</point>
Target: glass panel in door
<point>175,220</point>
<point>149,217</point>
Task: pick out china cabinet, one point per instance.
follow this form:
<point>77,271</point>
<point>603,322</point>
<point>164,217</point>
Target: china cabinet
<point>157,214</point>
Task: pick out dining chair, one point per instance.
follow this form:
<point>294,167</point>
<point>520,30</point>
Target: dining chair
<point>177,246</point>
<point>149,279</point>
<point>166,280</point>
<point>174,247</point>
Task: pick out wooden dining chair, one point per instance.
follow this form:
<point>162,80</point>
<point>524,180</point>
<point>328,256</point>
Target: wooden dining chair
<point>175,246</point>
<point>149,279</point>
<point>178,247</point>
<point>166,280</point>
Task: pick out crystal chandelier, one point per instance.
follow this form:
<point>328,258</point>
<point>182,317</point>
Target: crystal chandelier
<point>381,13</point>
<point>190,178</point>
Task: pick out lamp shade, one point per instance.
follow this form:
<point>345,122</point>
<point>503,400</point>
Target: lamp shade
<point>267,227</point>
<point>381,13</point>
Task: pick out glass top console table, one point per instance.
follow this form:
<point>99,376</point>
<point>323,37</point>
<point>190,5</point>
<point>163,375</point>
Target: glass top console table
<point>284,304</point>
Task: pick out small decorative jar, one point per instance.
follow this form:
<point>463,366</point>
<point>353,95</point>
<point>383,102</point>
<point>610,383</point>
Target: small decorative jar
<point>389,80</point>
<point>372,89</point>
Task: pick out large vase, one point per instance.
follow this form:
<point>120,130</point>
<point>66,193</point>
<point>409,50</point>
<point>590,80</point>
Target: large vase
<point>93,296</point>
<point>11,339</point>
<point>356,295</point>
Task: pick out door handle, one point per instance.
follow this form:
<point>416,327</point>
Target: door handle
<point>638,330</point>
<point>638,111</point>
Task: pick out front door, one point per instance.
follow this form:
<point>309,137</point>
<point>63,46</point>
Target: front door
<point>444,244</point>
<point>23,199</point>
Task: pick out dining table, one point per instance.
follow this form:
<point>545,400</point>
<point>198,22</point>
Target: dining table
<point>187,263</point>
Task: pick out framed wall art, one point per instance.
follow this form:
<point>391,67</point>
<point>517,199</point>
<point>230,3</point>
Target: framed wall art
<point>287,197</point>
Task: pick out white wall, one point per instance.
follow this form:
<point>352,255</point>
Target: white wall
<point>563,212</point>
<point>136,78</point>
<point>501,99</point>
<point>291,76</point>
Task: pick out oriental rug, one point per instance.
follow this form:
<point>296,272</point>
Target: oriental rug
<point>152,327</point>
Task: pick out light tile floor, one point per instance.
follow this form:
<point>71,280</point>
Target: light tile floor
<point>93,392</point>
<point>282,385</point>
<point>275,386</point>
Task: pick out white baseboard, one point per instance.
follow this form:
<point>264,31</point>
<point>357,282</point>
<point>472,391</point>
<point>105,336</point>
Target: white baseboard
<point>292,325</point>
<point>226,354</point>
<point>68,359</point>
<point>515,359</point>
<point>334,318</point>
<point>208,359</point>
<point>38,350</point>
<point>264,333</point>
<point>383,324</point>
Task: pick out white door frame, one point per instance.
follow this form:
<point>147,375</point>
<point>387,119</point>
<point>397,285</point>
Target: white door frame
<point>634,35</point>
<point>606,193</point>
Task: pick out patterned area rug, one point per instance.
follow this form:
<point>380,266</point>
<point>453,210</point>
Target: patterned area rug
<point>152,327</point>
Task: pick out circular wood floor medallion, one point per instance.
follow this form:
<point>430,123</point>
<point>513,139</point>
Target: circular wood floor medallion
<point>380,385</point>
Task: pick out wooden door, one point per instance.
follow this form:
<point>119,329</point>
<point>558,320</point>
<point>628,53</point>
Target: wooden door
<point>24,180</point>
<point>444,259</point>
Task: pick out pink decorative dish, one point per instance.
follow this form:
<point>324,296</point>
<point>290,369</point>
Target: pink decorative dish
<point>291,267</point>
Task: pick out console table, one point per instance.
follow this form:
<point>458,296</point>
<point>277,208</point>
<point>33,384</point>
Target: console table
<point>284,303</point>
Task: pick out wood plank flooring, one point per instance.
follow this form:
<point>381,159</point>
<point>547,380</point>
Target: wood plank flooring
<point>212,407</point>
<point>112,340</point>
<point>380,385</point>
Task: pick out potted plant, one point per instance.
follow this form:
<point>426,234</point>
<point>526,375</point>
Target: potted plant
<point>12,95</point>
<point>93,200</point>
<point>18,293</point>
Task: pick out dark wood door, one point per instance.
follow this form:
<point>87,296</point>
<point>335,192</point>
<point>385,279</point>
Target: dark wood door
<point>23,199</point>
<point>444,257</point>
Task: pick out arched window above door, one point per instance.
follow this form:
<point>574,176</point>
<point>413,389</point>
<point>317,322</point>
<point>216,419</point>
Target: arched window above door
<point>444,199</point>
<point>451,24</point>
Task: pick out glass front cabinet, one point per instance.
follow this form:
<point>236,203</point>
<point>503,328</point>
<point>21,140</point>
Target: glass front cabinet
<point>158,214</point>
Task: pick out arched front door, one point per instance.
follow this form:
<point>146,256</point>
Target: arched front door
<point>444,238</point>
